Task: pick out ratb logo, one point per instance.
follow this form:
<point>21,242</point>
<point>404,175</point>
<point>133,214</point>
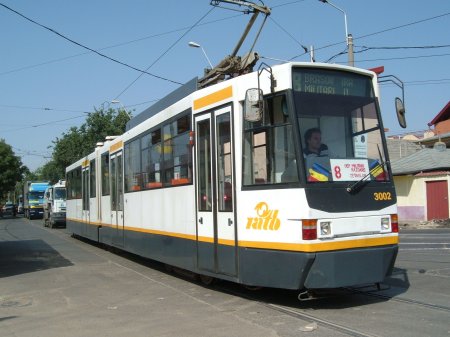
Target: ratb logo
<point>266,218</point>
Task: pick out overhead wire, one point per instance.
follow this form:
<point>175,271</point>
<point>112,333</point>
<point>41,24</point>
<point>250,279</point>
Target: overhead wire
<point>404,47</point>
<point>401,26</point>
<point>43,124</point>
<point>115,45</point>
<point>404,57</point>
<point>365,48</point>
<point>166,51</point>
<point>289,34</point>
<point>287,3</point>
<point>376,33</point>
<point>39,108</point>
<point>421,82</point>
<point>88,48</point>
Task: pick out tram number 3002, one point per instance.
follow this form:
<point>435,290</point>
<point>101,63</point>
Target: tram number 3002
<point>380,196</point>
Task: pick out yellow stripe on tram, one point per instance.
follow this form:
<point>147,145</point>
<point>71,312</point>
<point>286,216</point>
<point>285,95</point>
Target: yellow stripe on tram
<point>296,247</point>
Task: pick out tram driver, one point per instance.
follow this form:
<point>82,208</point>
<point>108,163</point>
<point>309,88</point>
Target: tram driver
<point>314,148</point>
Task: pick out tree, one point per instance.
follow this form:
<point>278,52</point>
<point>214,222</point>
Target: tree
<point>49,172</point>
<point>80,141</point>
<point>11,169</point>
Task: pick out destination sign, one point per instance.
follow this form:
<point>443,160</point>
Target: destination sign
<point>317,81</point>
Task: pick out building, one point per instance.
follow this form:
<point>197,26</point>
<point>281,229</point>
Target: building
<point>441,128</point>
<point>421,181</point>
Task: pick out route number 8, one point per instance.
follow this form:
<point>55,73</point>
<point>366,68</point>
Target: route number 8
<point>337,172</point>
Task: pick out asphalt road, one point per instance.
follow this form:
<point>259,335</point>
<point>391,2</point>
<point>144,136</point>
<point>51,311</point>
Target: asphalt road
<point>54,285</point>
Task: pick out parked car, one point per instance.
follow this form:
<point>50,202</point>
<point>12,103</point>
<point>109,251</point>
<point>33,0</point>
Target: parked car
<point>9,209</point>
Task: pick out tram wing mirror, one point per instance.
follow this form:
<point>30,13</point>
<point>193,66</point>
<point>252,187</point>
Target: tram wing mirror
<point>253,105</point>
<point>400,109</point>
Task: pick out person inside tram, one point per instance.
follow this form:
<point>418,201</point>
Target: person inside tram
<point>314,148</point>
<point>313,144</point>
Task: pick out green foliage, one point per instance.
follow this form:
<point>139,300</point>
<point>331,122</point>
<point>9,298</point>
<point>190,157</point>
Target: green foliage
<point>79,142</point>
<point>49,172</point>
<point>11,169</point>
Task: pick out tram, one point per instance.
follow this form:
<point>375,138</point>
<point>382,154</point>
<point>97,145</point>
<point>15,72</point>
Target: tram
<point>223,181</point>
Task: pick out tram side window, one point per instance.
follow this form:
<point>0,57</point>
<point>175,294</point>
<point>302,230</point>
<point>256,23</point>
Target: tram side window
<point>69,179</point>
<point>269,154</point>
<point>133,174</point>
<point>74,184</point>
<point>145,144</point>
<point>159,158</point>
<point>105,174</point>
<point>154,160</point>
<point>176,152</point>
<point>92,184</point>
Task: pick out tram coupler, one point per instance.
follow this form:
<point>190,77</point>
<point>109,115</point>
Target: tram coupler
<point>307,295</point>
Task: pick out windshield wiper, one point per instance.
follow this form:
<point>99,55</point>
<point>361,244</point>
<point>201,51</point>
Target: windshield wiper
<point>363,181</point>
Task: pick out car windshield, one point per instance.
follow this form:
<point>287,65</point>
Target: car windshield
<point>60,193</point>
<point>36,195</point>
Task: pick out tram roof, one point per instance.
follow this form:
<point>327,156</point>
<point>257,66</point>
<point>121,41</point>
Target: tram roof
<point>173,97</point>
<point>192,86</point>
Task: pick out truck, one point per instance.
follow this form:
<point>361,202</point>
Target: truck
<point>55,204</point>
<point>33,198</point>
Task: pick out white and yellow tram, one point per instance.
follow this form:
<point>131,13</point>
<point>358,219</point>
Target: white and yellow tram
<point>217,181</point>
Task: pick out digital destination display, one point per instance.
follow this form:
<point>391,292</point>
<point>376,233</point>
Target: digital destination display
<point>330,82</point>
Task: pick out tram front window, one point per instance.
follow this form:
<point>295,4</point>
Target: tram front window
<point>339,126</point>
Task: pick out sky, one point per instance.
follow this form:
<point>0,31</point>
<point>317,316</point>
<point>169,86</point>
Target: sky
<point>48,83</point>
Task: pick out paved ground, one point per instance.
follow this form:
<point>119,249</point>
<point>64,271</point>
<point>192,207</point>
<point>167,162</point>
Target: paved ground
<point>55,285</point>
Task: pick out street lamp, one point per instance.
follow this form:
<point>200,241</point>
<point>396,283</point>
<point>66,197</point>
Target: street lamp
<point>348,37</point>
<point>116,101</point>
<point>196,45</point>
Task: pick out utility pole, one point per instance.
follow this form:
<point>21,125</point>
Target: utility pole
<point>351,59</point>
<point>348,37</point>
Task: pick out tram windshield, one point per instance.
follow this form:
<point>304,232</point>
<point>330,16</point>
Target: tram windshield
<point>340,130</point>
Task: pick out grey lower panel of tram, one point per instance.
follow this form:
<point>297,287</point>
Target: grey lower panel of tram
<point>255,267</point>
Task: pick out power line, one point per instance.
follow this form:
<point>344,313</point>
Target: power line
<point>379,32</point>
<point>422,82</point>
<point>142,103</point>
<point>403,47</point>
<point>115,45</point>
<point>404,57</point>
<point>165,52</point>
<point>43,124</point>
<point>287,3</point>
<point>365,48</point>
<point>289,34</point>
<point>85,47</point>
<point>39,108</point>
<point>402,26</point>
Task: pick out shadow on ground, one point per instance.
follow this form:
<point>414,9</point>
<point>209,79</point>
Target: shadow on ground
<point>27,256</point>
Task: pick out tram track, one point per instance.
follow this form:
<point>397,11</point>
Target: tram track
<point>310,318</point>
<point>400,300</point>
<point>320,321</point>
<point>300,314</point>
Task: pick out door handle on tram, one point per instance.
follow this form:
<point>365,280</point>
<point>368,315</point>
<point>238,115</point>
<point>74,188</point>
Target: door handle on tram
<point>230,222</point>
<point>200,220</point>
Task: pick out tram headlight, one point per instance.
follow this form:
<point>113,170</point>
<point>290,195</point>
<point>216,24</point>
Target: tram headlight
<point>325,228</point>
<point>385,224</point>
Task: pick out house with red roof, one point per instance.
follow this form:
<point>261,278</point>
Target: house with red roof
<point>422,178</point>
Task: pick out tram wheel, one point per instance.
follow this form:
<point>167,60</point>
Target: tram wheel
<point>252,288</point>
<point>206,280</point>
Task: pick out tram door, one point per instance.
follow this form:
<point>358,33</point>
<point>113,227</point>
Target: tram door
<point>216,228</point>
<point>117,220</point>
<point>85,199</point>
